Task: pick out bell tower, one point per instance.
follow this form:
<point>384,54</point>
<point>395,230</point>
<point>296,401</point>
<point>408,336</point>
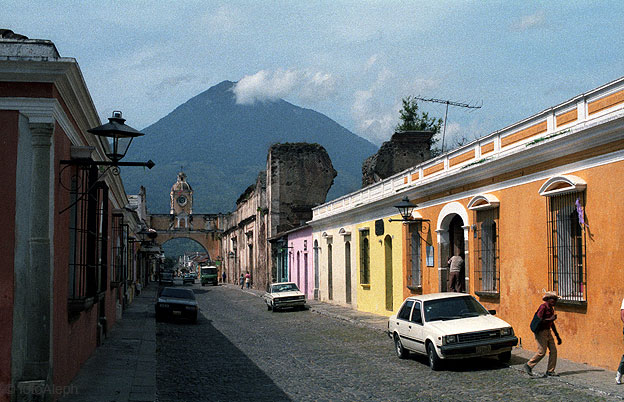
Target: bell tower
<point>181,202</point>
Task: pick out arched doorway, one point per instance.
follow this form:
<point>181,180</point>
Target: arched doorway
<point>388,265</point>
<point>453,238</point>
<point>330,273</point>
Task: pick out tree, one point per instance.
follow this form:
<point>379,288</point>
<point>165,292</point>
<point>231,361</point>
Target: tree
<point>412,119</point>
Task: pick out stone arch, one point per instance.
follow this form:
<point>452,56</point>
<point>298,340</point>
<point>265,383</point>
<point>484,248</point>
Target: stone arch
<point>172,238</point>
<point>448,218</point>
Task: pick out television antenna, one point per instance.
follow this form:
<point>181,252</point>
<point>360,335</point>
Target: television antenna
<point>447,103</point>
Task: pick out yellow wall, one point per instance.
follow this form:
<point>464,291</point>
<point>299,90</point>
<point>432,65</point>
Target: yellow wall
<point>373,298</point>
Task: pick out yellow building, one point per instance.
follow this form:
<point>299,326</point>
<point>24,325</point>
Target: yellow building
<point>532,207</point>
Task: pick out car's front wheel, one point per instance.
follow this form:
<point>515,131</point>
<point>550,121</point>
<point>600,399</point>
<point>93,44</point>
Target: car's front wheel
<point>434,360</point>
<point>398,347</point>
<point>269,307</point>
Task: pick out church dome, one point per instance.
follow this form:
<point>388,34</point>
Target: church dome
<point>181,184</point>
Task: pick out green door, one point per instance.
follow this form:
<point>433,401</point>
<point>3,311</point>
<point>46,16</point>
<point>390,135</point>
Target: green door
<point>388,255</point>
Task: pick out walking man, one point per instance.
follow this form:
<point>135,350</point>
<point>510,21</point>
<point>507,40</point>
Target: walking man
<point>543,335</point>
<point>456,267</point>
<point>618,375</point>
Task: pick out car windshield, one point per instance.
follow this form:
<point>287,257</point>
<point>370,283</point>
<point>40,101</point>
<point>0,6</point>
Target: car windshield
<point>453,308</point>
<point>178,293</point>
<point>284,287</point>
<point>209,270</point>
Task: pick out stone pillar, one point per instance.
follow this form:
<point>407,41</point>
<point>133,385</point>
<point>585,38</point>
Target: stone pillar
<point>37,290</point>
<point>466,257</point>
<point>443,245</point>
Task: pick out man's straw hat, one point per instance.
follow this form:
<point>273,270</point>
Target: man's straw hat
<point>550,295</point>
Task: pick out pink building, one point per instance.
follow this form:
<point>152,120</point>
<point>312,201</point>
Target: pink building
<point>301,260</point>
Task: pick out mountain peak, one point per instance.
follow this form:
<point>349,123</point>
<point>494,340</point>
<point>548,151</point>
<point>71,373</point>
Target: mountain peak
<point>223,145</point>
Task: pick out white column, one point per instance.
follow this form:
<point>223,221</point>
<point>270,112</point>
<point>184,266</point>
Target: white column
<point>467,257</point>
<point>37,368</point>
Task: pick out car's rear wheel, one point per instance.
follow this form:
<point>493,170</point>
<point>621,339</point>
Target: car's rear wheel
<point>434,360</point>
<point>505,356</point>
<point>398,347</point>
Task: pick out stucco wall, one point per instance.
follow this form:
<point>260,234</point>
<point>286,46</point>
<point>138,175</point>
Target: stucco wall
<point>523,238</point>
<point>372,298</point>
<point>302,253</point>
<point>8,166</point>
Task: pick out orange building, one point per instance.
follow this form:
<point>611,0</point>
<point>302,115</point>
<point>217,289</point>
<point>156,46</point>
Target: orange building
<point>535,206</point>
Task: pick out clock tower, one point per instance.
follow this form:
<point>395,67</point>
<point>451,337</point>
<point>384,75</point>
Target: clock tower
<point>181,201</point>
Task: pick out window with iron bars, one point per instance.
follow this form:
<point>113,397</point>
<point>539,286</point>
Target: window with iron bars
<point>487,267</point>
<point>88,234</point>
<point>364,258</point>
<point>117,251</point>
<point>414,271</point>
<point>566,246</point>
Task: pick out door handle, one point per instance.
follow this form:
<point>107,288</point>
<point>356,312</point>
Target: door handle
<point>409,326</point>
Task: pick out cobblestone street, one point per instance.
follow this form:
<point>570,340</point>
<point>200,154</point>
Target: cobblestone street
<point>240,351</point>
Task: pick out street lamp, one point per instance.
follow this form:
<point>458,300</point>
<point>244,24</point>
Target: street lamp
<point>405,208</point>
<point>119,136</point>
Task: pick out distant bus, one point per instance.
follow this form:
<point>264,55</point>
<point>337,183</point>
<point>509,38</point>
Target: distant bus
<point>209,274</point>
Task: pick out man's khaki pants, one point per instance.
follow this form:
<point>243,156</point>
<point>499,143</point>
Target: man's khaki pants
<point>545,341</point>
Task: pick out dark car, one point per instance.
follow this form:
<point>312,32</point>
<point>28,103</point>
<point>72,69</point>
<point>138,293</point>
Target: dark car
<point>189,277</point>
<point>166,277</point>
<point>176,303</point>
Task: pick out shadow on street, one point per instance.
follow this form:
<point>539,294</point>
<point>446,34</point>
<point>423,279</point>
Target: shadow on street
<point>198,363</point>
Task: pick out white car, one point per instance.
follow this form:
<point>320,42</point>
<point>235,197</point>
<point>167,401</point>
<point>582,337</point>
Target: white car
<point>284,294</point>
<point>449,326</point>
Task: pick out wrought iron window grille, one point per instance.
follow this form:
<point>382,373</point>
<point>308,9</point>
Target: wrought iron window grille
<point>487,267</point>
<point>567,247</point>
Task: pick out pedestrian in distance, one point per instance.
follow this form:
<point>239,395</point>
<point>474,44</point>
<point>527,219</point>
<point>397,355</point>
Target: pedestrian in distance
<point>618,375</point>
<point>247,279</point>
<point>542,324</point>
<point>223,277</point>
<point>241,280</point>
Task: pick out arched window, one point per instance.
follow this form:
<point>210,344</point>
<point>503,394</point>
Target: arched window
<point>487,267</point>
<point>565,196</point>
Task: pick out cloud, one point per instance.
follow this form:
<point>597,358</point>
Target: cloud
<point>171,82</point>
<point>273,85</point>
<point>375,111</point>
<point>225,19</point>
<point>528,22</point>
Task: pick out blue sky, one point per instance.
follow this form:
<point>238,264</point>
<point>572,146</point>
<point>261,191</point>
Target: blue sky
<point>351,60</point>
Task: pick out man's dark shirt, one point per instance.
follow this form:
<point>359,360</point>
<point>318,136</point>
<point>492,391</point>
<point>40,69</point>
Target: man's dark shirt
<point>545,312</point>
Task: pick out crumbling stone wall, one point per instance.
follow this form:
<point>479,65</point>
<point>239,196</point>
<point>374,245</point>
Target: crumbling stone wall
<point>299,175</point>
<point>404,150</point>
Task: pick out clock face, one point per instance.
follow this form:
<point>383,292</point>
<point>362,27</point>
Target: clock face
<point>182,200</point>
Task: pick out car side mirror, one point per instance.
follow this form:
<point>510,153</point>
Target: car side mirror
<point>493,312</point>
